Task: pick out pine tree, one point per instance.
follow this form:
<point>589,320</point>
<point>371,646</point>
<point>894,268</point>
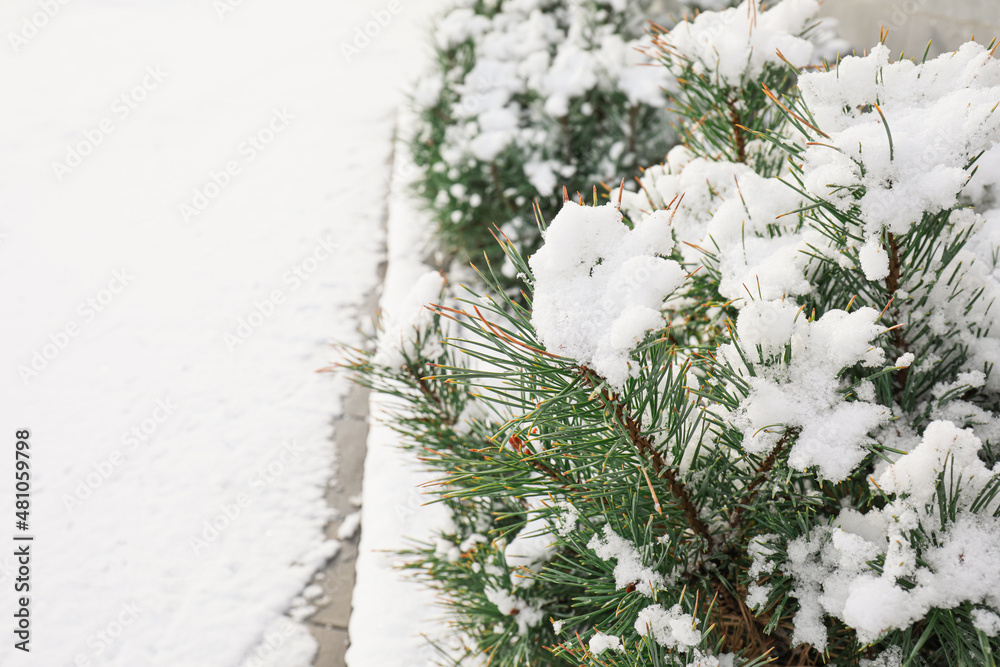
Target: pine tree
<point>747,413</point>
<point>525,96</point>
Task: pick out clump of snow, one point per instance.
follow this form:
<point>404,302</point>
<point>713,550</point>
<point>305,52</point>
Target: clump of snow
<point>630,568</point>
<point>874,259</point>
<point>349,527</point>
<point>831,565</point>
<point>891,657</point>
<point>527,615</point>
<point>600,287</point>
<point>671,628</point>
<point>471,541</point>
<point>533,546</point>
<point>986,621</point>
<point>759,551</point>
<point>940,114</point>
<point>735,44</point>
<point>641,83</point>
<point>904,360</point>
<point>449,550</point>
<point>700,659</point>
<point>805,393</point>
<point>567,519</point>
<point>601,642</point>
<point>729,209</point>
<point>404,328</point>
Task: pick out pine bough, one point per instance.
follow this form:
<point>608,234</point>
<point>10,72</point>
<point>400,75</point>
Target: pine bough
<point>747,413</point>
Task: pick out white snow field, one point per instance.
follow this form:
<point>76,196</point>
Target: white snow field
<point>190,203</point>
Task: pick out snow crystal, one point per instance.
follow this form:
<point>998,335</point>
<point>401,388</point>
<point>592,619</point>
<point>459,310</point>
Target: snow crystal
<point>630,569</point>
<point>806,392</point>
<point>601,642</point>
<point>670,628</point>
<point>599,286</point>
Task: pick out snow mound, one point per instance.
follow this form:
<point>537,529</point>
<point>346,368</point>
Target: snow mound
<point>600,286</point>
<point>805,393</point>
<point>831,566</point>
<point>901,137</point>
<point>737,43</point>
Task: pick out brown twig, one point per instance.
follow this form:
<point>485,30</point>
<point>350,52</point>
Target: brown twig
<point>495,175</point>
<point>760,475</point>
<point>645,447</point>
<point>739,138</point>
<point>892,286</point>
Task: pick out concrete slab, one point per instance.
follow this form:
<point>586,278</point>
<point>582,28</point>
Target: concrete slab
<point>332,646</point>
<point>330,620</point>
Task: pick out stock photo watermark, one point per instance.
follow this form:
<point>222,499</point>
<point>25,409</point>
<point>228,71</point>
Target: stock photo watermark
<point>248,151</point>
<point>363,35</point>
<point>136,436</point>
<point>59,340</point>
<point>121,108</point>
<point>228,512</point>
<point>34,23</point>
<point>101,640</point>
<point>274,639</point>
<point>264,309</point>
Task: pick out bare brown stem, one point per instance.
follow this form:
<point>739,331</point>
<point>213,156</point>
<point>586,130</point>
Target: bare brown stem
<point>644,446</point>
<point>892,286</point>
<point>739,136</point>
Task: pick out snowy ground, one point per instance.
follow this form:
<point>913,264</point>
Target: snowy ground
<point>190,198</point>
